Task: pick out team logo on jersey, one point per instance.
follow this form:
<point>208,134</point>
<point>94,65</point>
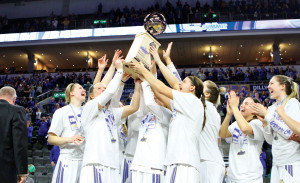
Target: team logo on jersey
<point>173,114</point>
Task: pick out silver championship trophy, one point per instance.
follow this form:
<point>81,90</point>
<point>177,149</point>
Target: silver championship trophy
<point>154,24</point>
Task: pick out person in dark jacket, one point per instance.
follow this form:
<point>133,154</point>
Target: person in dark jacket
<point>13,135</point>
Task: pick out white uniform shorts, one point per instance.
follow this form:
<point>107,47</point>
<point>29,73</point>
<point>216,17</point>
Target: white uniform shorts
<point>99,174</point>
<point>211,172</point>
<point>285,174</point>
<point>143,177</point>
<point>178,173</point>
<point>66,170</point>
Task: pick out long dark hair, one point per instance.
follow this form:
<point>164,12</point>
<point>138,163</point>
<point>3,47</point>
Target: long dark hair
<point>195,81</point>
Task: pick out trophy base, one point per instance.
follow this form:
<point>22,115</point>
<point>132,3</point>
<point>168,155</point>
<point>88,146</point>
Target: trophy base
<point>139,52</point>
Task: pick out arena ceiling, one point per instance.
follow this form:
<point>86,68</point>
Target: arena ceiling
<point>186,51</point>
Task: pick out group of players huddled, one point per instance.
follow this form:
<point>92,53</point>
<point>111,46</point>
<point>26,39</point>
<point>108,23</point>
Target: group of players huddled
<point>172,132</point>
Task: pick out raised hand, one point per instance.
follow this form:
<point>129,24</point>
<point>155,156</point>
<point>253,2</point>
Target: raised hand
<point>117,55</point>
<point>125,77</point>
<point>166,54</point>
<point>102,62</point>
<point>119,63</point>
<point>138,67</point>
<point>76,139</point>
<point>233,100</point>
<point>154,52</point>
<point>229,111</point>
<point>259,109</point>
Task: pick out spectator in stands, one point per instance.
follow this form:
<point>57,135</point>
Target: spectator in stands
<point>43,130</point>
<point>263,95</point>
<point>54,154</point>
<point>39,89</point>
<point>61,102</point>
<point>38,115</point>
<point>29,130</point>
<point>51,104</point>
<point>257,97</point>
<point>30,103</point>
<point>55,108</point>
<point>66,23</point>
<point>243,91</point>
<point>32,91</point>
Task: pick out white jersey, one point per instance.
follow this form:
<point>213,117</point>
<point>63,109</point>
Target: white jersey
<point>100,128</point>
<point>209,149</point>
<point>184,130</point>
<point>66,122</point>
<point>277,133</point>
<point>174,71</point>
<point>152,140</point>
<point>244,152</point>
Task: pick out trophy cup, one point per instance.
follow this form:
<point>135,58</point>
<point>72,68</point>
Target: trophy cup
<point>154,24</point>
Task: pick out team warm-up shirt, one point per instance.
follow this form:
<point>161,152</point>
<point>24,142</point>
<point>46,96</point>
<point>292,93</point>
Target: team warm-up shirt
<point>209,149</point>
<point>244,152</point>
<point>277,133</point>
<point>100,127</point>
<point>153,132</point>
<point>66,122</point>
<point>184,130</point>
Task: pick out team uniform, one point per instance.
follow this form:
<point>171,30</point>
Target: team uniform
<point>148,161</point>
<point>66,122</point>
<point>101,154</point>
<point>134,121</point>
<point>286,153</point>
<point>244,154</point>
<point>182,158</point>
<point>210,155</point>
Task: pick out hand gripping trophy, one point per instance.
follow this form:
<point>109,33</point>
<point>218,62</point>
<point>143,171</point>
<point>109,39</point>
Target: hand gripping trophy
<point>154,24</point>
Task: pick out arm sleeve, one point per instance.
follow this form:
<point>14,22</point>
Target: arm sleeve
<point>19,134</point>
<point>174,71</point>
<point>258,133</point>
<point>116,98</point>
<point>91,108</point>
<point>56,126</point>
<point>150,102</point>
<point>231,131</point>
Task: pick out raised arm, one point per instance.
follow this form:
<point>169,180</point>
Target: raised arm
<point>171,79</point>
<point>154,83</point>
<point>224,132</point>
<point>149,100</point>
<point>102,62</point>
<point>169,63</point>
<point>116,98</point>
<point>109,74</point>
<point>241,121</point>
<point>134,106</point>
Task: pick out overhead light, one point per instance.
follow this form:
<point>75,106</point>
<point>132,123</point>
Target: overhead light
<point>238,59</point>
<point>42,53</point>
<point>210,54</point>
<point>219,60</point>
<point>289,44</point>
<point>241,45</point>
<point>239,53</point>
<point>78,52</point>
<point>50,60</point>
<point>21,67</point>
<point>259,52</point>
<point>261,45</point>
<point>96,51</point>
<point>56,65</point>
<point>20,55</point>
<point>67,59</point>
<point>203,53</point>
<point>256,59</point>
<point>60,53</point>
<point>13,62</point>
<point>73,65</point>
<point>220,46</point>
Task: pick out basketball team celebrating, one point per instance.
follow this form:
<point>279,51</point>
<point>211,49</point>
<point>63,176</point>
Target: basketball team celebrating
<point>172,133</point>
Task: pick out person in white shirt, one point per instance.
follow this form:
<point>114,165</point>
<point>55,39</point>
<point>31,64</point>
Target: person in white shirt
<point>246,138</point>
<point>210,154</point>
<point>182,157</point>
<point>292,124</point>
<point>66,132</point>
<point>286,151</point>
<point>99,118</point>
<point>148,161</point>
